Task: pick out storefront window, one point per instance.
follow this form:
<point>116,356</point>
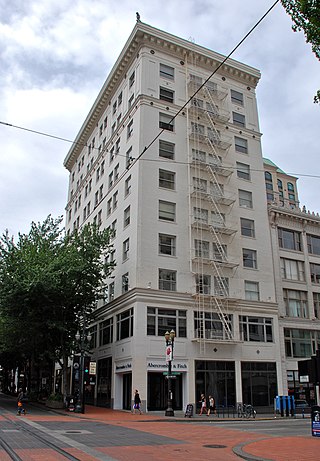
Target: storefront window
<point>259,383</point>
<point>161,320</point>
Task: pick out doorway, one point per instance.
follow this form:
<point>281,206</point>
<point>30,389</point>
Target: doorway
<point>126,391</point>
<point>158,392</point>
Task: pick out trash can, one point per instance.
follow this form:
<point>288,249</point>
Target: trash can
<point>315,421</point>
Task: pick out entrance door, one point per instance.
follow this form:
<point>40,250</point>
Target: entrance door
<point>127,391</point>
<point>158,392</point>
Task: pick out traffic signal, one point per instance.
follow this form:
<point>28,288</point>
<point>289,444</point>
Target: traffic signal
<point>86,369</point>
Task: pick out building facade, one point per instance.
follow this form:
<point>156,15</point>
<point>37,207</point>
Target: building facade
<point>169,159</point>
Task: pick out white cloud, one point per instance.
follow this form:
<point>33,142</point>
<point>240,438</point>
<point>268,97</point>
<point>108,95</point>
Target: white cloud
<point>56,55</point>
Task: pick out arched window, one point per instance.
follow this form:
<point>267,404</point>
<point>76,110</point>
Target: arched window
<point>268,176</point>
<point>279,182</point>
<point>290,186</point>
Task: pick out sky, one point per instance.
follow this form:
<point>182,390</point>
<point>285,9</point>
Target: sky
<point>55,57</point>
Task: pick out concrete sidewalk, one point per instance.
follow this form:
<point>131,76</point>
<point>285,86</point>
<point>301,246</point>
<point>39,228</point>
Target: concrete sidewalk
<point>197,441</point>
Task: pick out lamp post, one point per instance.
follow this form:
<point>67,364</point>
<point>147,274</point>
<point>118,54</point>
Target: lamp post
<point>169,338</point>
<point>83,341</point>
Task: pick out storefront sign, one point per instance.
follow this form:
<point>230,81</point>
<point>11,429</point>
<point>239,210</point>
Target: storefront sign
<point>304,379</point>
<point>123,366</point>
<point>162,366</point>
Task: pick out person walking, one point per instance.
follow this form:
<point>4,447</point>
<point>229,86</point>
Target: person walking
<point>212,406</point>
<point>203,404</point>
<point>20,401</point>
<point>136,402</point>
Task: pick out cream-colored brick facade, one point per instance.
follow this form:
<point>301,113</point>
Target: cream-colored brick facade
<point>181,185</point>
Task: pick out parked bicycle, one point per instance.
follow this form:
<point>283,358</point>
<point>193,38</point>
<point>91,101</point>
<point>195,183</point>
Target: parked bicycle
<point>246,411</point>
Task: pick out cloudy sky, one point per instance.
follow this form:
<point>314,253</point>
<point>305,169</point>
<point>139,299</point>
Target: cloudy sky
<point>55,56</point>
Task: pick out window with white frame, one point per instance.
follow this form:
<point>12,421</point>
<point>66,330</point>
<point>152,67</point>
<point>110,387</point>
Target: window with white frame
<point>106,332</point>
<point>243,171</point>
<point>131,79</point>
<point>258,329</point>
<point>247,227</point>
<point>160,320</point>
<point>210,325</point>
<point>126,217</point>
<point>125,250</point>
<point>313,242</point>
<point>219,251</point>
<point>315,272</point>
<point>127,186</point>
<point>249,258</point>
<point>125,324</point>
<point>125,282</point>
<point>129,157</point>
<point>167,280</point>
<point>292,269</point>
<point>289,239</point>
<point>245,198</point>
<point>316,305</point>
<point>115,200</point>
<point>296,303</point>
<point>167,211</point>
<point>251,290</point>
<point>110,180</point>
<point>301,343</point>
<point>237,97</point>
<point>241,145</point>
<point>109,207</point>
<point>221,286</point>
<point>111,291</point>
<point>167,245</point>
<point>167,179</point>
<point>200,215</point>
<point>166,122</point>
<point>239,119</point>
<point>166,71</point>
<point>203,284</point>
<point>200,184</point>
<point>166,95</point>
<point>166,149</point>
<point>202,249</point>
<point>129,129</point>
<point>198,156</point>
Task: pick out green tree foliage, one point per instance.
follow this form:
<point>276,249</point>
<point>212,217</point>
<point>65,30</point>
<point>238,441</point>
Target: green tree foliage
<point>305,15</point>
<point>49,283</point>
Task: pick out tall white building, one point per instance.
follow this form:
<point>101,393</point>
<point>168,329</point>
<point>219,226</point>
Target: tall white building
<point>169,158</point>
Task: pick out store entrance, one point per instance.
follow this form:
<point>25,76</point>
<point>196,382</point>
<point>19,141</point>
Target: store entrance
<point>158,392</point>
<point>127,391</point>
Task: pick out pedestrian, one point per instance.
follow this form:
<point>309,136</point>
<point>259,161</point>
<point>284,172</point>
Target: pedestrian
<point>136,402</point>
<point>203,404</point>
<point>20,401</point>
<point>212,406</point>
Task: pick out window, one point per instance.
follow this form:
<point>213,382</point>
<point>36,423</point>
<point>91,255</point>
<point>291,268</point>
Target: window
<point>167,245</point>
<point>167,280</point>
<point>131,79</point>
<point>249,258</point>
<point>113,128</point>
<point>251,290</point>
<point>111,155</point>
<point>129,157</point>
<point>219,252</point>
<point>167,179</point>
<point>111,292</point>
<point>96,198</point>
<point>117,146</point>
<point>125,324</point>
<point>315,272</point>
<point>290,187</point>
<point>120,98</point>
<point>313,243</point>
<point>130,102</point>
<point>202,249</point>
<point>166,71</point>
<point>125,282</point>
<point>125,250</point>
<point>167,211</point>
<point>126,217</point>
<point>291,269</point>
<point>295,302</point>
<point>166,95</point>
<point>106,332</point>
<point>247,227</point>
<point>243,171</point>
<point>114,107</point>
<point>256,329</point>
<point>115,200</point>
<point>201,215</point>
<point>268,176</point>
<point>110,180</point>
<point>279,183</point>
<point>198,156</point>
<point>203,284</point>
<point>127,186</point>
<point>210,325</point>
<point>236,97</point>
<point>245,198</point>
<point>241,145</point>
<point>166,149</point>
<point>300,343</point>
<point>238,119</point>
<point>129,129</point>
<point>316,305</point>
<point>116,172</point>
<point>221,286</point>
<point>288,239</point>
<point>109,207</point>
<point>166,122</point>
<point>161,320</point>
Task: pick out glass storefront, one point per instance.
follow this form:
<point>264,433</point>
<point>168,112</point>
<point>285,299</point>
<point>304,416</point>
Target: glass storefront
<point>104,382</point>
<point>158,392</point>
<point>259,383</point>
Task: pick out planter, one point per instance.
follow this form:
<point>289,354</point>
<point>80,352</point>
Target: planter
<point>54,404</point>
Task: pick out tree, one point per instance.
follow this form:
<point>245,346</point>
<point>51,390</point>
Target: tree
<point>306,16</point>
<point>49,283</point>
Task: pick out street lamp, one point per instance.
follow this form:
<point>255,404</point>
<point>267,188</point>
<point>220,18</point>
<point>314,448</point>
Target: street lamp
<point>169,338</point>
<point>83,341</point>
